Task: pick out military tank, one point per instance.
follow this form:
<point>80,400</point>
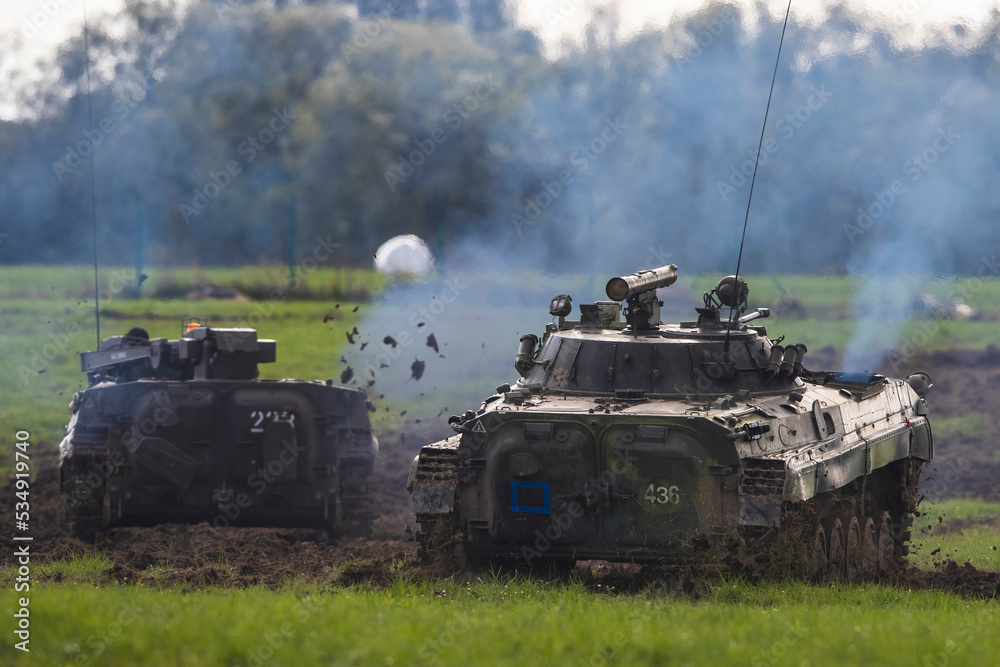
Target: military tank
<point>629,440</point>
<point>184,431</point>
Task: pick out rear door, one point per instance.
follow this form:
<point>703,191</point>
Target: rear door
<point>660,491</point>
<point>543,485</point>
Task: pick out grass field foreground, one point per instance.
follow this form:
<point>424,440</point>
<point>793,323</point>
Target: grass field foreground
<point>507,621</point>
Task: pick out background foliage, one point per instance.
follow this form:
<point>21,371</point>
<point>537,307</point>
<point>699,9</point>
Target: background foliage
<point>181,89</point>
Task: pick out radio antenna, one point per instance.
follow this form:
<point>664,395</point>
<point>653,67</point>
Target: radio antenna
<point>93,186</point>
<point>746,218</point>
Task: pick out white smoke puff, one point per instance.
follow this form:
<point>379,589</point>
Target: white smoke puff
<point>404,254</point>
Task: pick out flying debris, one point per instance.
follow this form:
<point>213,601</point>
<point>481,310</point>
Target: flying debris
<point>347,375</point>
<point>433,344</point>
<point>351,335</point>
<point>389,340</point>
<point>416,370</point>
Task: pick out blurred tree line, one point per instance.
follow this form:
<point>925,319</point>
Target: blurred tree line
<point>214,123</point>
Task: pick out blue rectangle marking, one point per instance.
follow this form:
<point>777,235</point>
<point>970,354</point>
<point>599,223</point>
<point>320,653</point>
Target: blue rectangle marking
<point>515,506</point>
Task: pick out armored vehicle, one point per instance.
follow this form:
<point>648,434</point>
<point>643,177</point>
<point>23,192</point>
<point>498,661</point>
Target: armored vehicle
<point>644,442</point>
<point>183,431</point>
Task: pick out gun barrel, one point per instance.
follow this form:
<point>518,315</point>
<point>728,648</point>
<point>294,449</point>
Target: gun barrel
<point>623,287</point>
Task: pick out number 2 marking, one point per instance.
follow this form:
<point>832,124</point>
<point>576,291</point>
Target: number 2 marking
<point>258,417</point>
<point>663,495</point>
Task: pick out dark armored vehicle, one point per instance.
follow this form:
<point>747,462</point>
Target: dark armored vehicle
<point>183,431</point>
<point>638,441</point>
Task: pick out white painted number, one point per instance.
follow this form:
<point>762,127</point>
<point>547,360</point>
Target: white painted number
<point>258,417</point>
<point>663,495</point>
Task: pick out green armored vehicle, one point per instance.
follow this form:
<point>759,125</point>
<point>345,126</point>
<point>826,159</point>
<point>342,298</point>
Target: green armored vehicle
<point>183,431</point>
<point>644,442</point>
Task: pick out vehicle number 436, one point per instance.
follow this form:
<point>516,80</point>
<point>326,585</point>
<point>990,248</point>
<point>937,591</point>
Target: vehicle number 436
<point>663,494</point>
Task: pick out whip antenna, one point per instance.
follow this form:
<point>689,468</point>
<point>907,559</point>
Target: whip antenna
<point>93,186</point>
<point>760,143</point>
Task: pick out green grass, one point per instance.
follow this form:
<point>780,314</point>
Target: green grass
<point>834,294</point>
<point>934,540</point>
<point>79,616</point>
<point>45,329</point>
<point>308,348</point>
<point>258,282</point>
<point>47,319</point>
<point>505,621</point>
<point>970,425</point>
<point>77,569</point>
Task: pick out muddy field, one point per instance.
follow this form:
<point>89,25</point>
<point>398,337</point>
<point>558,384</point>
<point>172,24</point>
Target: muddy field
<point>965,382</point>
<point>203,556</point>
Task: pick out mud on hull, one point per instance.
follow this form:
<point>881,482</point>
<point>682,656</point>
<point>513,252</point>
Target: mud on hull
<point>854,533</point>
<point>229,453</point>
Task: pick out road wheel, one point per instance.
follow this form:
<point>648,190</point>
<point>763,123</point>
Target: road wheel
<point>869,550</point>
<point>886,545</point>
<point>836,551</point>
<point>821,564</point>
<point>855,556</point>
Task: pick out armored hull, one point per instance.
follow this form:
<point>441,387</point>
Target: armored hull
<point>656,443</point>
<point>151,445</point>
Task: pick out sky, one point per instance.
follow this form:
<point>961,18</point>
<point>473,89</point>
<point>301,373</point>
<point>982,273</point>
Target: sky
<point>30,30</point>
<point>555,19</point>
